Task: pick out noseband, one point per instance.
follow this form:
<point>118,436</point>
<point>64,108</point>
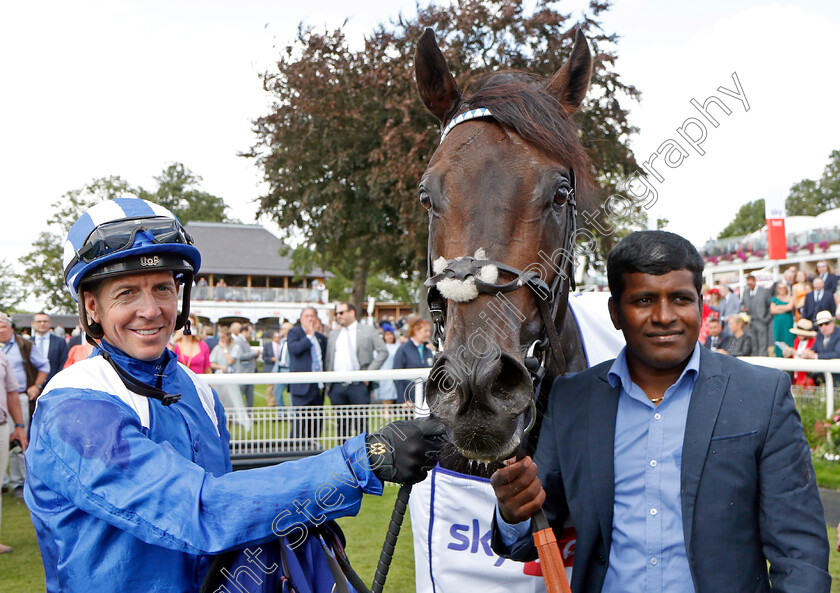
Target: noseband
<point>462,279</point>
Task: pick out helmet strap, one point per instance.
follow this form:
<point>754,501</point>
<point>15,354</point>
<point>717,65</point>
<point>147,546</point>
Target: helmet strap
<point>92,329</point>
<point>184,317</point>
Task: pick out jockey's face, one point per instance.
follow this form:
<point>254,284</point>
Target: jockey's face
<point>137,312</point>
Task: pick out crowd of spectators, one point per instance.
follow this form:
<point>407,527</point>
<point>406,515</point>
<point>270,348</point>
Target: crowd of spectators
<point>785,319</point>
<point>302,346</point>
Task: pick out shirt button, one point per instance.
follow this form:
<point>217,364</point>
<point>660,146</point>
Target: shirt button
<point>657,416</point>
<point>196,446</point>
<point>653,462</point>
<point>653,561</point>
<point>653,512</point>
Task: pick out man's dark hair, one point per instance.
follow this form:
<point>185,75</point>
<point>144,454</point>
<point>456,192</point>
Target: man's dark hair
<point>351,307</point>
<point>652,252</point>
<point>750,277</point>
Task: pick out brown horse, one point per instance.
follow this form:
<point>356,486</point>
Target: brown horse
<point>502,191</point>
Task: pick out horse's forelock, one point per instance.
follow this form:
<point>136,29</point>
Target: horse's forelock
<point>519,101</point>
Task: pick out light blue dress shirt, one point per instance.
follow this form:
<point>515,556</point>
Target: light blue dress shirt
<point>647,554</point>
<point>38,360</point>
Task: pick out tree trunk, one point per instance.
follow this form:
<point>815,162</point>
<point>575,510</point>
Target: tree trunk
<point>359,287</point>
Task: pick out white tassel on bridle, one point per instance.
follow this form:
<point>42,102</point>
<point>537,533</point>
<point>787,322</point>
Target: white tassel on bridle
<point>463,291</point>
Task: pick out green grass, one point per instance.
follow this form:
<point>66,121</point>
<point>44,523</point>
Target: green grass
<point>828,473</point>
<point>365,535</point>
<point>833,559</point>
<point>22,571</point>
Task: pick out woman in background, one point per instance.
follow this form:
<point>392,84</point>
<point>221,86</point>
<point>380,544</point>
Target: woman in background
<point>800,289</point>
<point>740,344</point>
<point>781,306</point>
<point>221,362</point>
<point>386,391</point>
<point>806,335</point>
<point>192,352</point>
<point>413,354</point>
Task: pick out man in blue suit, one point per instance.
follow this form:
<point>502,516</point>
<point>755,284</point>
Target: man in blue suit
<point>827,344</point>
<point>306,354</point>
<point>51,346</point>
<point>828,277</point>
<point>819,299</point>
<point>682,470</point>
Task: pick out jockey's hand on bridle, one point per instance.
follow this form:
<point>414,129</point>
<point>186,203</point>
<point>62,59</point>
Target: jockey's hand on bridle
<point>404,451</point>
<point>519,491</point>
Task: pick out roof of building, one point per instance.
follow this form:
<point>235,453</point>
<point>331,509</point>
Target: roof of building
<point>241,249</point>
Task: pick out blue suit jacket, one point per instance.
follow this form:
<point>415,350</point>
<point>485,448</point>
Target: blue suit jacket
<point>811,308</point>
<point>267,355</point>
<point>749,491</point>
<point>300,357</point>
<point>408,357</point>
<point>832,350</point>
<point>57,354</point>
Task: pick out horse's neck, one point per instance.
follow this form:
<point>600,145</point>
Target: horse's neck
<point>572,344</point>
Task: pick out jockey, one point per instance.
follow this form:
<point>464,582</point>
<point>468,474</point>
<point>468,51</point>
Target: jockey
<point>129,475</point>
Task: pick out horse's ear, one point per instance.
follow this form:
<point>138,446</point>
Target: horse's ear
<point>570,83</point>
<point>435,82</point>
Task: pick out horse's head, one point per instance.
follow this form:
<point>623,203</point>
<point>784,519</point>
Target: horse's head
<point>500,191</point>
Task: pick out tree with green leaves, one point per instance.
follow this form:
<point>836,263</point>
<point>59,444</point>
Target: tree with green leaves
<point>347,139</point>
<point>748,219</point>
<point>178,190</point>
<point>11,291</point>
<point>43,276</point>
<point>811,197</point>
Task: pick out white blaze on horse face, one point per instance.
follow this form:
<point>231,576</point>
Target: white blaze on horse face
<point>463,291</point>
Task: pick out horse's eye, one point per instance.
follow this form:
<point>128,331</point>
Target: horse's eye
<point>425,199</point>
<point>561,194</point>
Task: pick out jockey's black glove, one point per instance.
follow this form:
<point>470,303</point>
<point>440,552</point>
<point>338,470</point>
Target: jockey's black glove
<point>405,450</point>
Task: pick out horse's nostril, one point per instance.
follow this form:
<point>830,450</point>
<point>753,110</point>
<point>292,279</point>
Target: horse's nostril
<point>511,377</point>
<point>444,382</point>
<point>502,379</point>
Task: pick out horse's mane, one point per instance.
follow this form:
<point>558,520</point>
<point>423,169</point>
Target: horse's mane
<point>520,102</point>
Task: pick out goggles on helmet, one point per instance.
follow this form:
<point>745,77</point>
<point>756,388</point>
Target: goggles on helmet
<point>113,237</point>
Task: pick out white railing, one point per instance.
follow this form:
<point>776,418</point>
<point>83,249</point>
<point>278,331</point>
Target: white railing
<point>826,367</point>
<point>267,434</point>
<point>294,431</point>
<point>288,432</point>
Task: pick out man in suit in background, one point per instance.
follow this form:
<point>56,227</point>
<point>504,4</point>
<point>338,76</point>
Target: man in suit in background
<point>820,299</point>
<point>756,302</point>
<point>245,357</point>
<point>352,347</point>
<point>828,277</point>
<point>271,351</point>
<point>209,337</point>
<point>52,347</point>
<point>827,344</point>
<point>306,354</point>
<point>715,339</point>
<point>703,478</point>
<point>729,306</point>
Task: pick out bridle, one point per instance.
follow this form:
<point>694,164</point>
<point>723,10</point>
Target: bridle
<point>550,299</point>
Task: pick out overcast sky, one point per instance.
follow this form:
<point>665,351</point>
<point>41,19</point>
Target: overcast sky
<point>92,88</point>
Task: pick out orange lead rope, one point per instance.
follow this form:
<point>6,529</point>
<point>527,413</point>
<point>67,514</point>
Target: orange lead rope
<point>551,558</point>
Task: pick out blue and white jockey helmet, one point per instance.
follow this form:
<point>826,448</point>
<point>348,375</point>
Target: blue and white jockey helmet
<point>128,236</point>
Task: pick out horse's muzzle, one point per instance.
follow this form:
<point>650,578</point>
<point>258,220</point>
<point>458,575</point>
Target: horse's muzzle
<point>483,403</point>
